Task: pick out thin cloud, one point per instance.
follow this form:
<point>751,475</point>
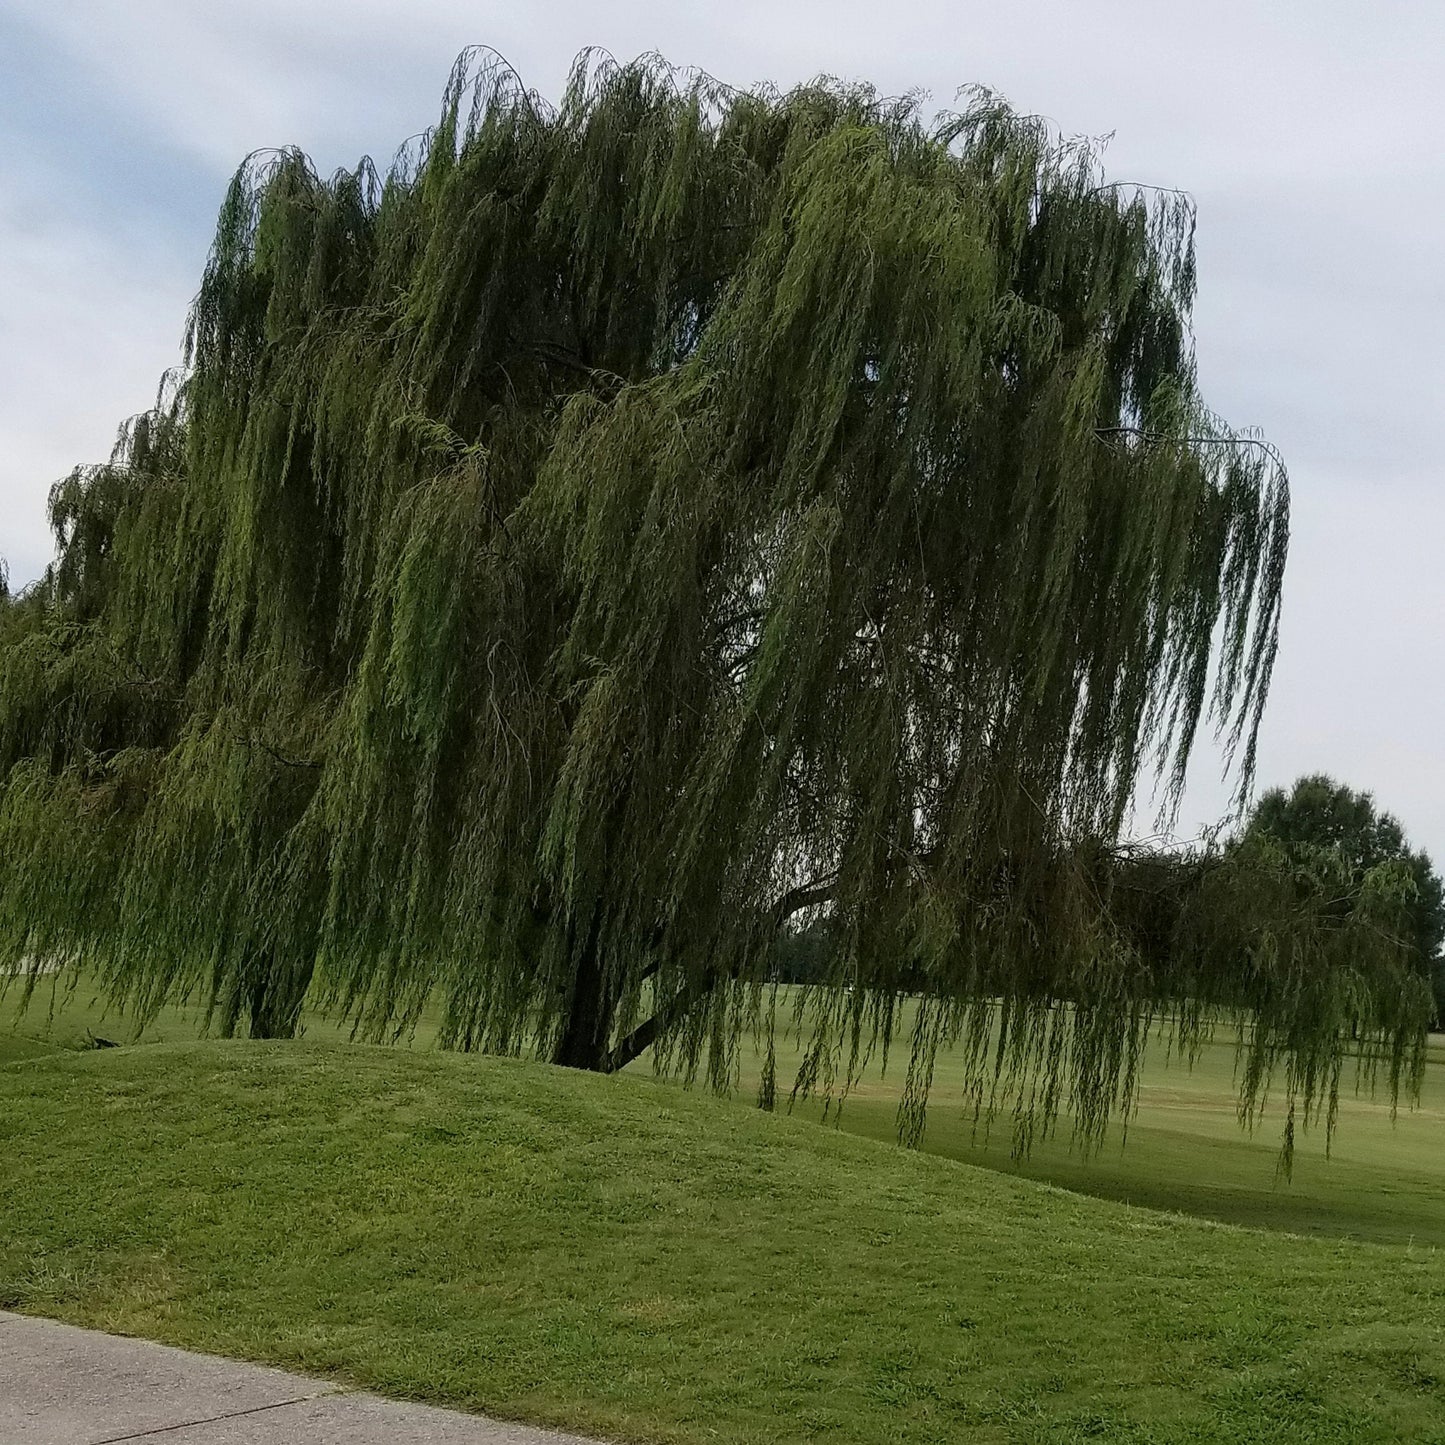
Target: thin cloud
<point>88,322</point>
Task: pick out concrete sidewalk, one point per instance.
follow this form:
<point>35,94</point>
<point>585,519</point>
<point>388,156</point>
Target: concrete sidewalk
<point>64,1386</point>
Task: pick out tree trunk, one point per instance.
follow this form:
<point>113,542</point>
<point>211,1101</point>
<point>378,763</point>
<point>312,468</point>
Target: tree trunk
<point>273,1001</point>
<point>582,1043</point>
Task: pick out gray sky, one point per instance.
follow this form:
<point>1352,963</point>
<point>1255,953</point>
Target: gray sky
<point>1307,131</point>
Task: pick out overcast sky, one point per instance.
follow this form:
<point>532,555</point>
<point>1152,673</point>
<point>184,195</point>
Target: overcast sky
<point>1308,132</point>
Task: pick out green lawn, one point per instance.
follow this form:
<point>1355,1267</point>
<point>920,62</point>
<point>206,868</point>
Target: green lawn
<point>1185,1150</point>
<point>624,1258</point>
<point>64,1012</point>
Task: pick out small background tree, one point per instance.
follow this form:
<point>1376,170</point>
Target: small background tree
<point>1319,816</point>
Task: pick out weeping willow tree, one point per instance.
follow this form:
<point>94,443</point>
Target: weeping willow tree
<point>625,528</point>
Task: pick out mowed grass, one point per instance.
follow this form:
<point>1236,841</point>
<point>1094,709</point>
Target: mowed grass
<point>1382,1179</point>
<point>623,1258</point>
<point>1184,1150</point>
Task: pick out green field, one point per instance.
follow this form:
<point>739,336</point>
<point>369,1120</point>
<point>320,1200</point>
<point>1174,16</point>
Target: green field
<point>1185,1150</point>
<point>624,1258</point>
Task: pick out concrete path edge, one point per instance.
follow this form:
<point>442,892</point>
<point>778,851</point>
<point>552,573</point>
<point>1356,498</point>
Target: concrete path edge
<point>62,1385</point>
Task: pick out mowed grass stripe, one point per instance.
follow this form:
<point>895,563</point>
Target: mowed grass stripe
<point>619,1257</point>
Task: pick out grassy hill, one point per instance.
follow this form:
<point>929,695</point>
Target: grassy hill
<point>1185,1150</point>
<point>623,1258</point>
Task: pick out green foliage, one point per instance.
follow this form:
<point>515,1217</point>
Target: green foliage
<point>1316,951</point>
<point>803,954</point>
<point>1319,816</point>
<point>1324,824</point>
<point>622,527</point>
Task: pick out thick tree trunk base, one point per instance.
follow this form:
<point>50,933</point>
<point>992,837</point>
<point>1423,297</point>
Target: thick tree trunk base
<point>273,1004</point>
<point>582,1044</point>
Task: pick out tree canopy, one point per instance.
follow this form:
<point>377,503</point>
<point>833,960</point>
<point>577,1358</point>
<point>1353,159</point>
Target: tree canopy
<point>1319,821</point>
<point>623,527</point>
